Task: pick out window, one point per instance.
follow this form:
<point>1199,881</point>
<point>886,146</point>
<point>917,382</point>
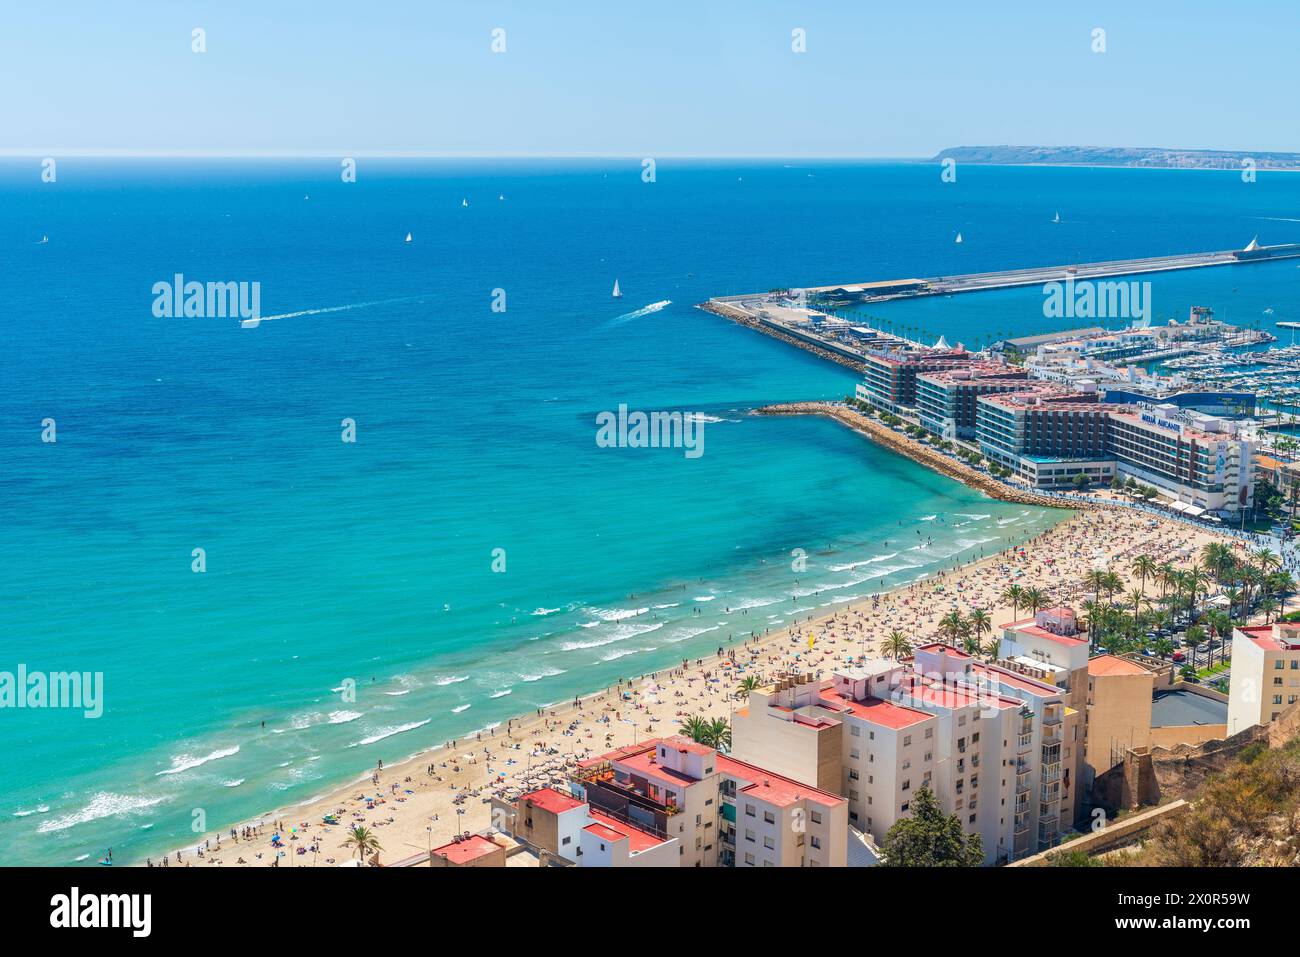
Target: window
<point>815,841</point>
<point>929,732</point>
<point>855,731</point>
<point>1279,665</point>
<point>769,817</point>
<point>816,817</point>
<point>749,810</point>
<point>749,835</point>
<point>769,843</point>
<point>749,860</point>
<point>855,753</point>
<point>907,739</point>
<point>853,775</point>
<point>907,785</point>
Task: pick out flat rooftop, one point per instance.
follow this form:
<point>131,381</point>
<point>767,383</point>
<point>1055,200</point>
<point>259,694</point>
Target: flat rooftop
<point>1180,708</point>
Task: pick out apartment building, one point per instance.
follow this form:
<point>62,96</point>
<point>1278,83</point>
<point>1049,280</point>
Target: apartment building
<point>668,787</point>
<point>715,810</point>
<point>1265,674</point>
<point>1119,711</point>
<point>988,741</point>
<point>769,820</point>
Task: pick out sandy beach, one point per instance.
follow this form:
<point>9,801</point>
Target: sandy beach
<point>424,801</point>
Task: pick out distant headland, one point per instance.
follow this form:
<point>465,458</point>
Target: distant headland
<point>1141,156</point>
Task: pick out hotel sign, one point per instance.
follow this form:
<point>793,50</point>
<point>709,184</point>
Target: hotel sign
<point>1162,423</point>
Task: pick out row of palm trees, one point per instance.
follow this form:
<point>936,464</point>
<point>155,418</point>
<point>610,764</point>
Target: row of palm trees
<point>1250,583</point>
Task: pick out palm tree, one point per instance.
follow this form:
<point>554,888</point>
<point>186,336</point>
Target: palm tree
<point>1137,600</point>
<point>1265,560</point>
<point>719,734</point>
<point>970,644</point>
<point>1218,559</point>
<point>1144,567</point>
<point>696,728</point>
<point>1096,580</point>
<point>953,626</point>
<point>992,647</point>
<point>1167,575</point>
<point>1113,583</point>
<point>1268,606</point>
<point>363,840</point>
<point>1016,595</point>
<point>979,623</point>
<point>1164,647</point>
<point>896,645</point>
<point>748,684</point>
<point>1034,599</point>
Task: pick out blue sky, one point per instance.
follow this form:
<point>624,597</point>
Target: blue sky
<point>667,78</point>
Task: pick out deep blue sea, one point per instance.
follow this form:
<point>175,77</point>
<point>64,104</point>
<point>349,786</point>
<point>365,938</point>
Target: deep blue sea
<point>373,562</point>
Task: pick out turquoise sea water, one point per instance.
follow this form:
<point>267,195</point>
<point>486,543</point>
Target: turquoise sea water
<point>476,429</point>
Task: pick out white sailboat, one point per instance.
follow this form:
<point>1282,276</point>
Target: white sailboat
<point>501,196</point>
<point>1057,217</point>
<point>408,237</point>
<point>464,203</point>
<point>959,237</point>
<point>44,240</point>
<point>617,294</point>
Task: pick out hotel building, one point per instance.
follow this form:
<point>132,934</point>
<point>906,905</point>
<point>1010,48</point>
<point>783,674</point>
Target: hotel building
<point>1265,674</point>
<point>1049,438</point>
<point>889,377</point>
<point>945,401</point>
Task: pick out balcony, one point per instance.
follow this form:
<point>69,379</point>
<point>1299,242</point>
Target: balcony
<point>1052,734</point>
<point>1051,773</point>
<point>1049,793</point>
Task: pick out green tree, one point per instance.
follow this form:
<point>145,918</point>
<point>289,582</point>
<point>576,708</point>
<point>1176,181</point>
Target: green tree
<point>1016,596</point>
<point>953,626</point>
<point>363,841</point>
<point>895,645</point>
<point>930,838</point>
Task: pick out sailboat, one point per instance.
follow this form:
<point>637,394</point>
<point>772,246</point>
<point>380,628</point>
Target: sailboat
<point>1057,217</point>
<point>501,196</point>
<point>959,237</point>
<point>617,294</point>
<point>44,240</point>
<point>408,237</point>
<point>464,203</point>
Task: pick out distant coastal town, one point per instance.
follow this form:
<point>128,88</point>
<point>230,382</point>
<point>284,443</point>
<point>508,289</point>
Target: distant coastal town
<point>1139,157</point>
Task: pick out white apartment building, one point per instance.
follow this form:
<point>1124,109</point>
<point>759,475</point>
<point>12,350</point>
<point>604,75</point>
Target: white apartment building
<point>988,741</point>
<point>714,809</point>
<point>1265,674</point>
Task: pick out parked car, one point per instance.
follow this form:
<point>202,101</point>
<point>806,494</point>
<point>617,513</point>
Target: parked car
<point>1179,657</point>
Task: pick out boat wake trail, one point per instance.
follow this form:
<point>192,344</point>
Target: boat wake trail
<point>638,313</point>
<point>253,323</point>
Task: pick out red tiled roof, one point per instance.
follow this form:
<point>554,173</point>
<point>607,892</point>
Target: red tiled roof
<point>614,830</point>
<point>876,710</point>
<point>549,799</point>
<point>462,852</point>
<point>1028,627</point>
<point>1111,665</point>
<point>774,788</point>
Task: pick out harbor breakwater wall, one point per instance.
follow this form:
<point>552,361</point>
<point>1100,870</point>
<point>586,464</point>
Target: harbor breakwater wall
<point>922,453</point>
<point>776,332</point>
